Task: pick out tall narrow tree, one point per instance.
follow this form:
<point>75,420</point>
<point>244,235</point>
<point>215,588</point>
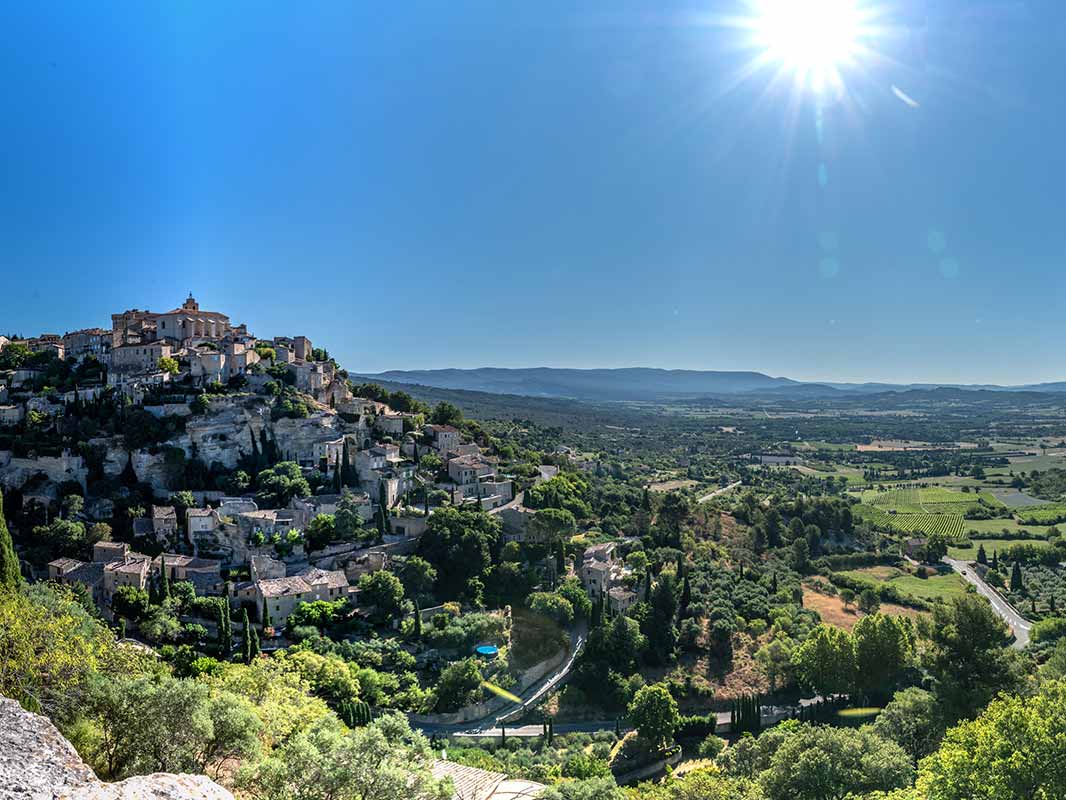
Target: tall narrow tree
<point>10,574</point>
<point>1016,583</point>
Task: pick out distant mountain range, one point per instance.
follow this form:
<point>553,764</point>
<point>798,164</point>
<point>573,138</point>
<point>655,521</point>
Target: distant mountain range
<point>646,383</point>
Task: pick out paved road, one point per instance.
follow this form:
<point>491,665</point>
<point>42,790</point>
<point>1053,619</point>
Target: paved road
<point>1019,624</point>
<point>770,713</point>
<point>717,492</point>
<point>530,697</point>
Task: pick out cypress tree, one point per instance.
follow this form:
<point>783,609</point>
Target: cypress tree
<point>255,643</point>
<point>1016,584</point>
<point>225,628</point>
<point>164,579</point>
<point>551,731</point>
<point>995,559</point>
<point>418,620</point>
<point>686,594</point>
<point>773,583</point>
<point>982,557</point>
<point>266,614</point>
<point>246,638</point>
<point>10,573</point>
<point>503,734</point>
<point>1051,603</point>
<point>346,465</point>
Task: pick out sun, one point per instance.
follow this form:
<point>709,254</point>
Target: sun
<point>813,39</point>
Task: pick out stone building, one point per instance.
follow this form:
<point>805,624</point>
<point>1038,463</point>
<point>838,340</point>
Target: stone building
<point>283,595</point>
<point>88,342</point>
<point>139,358</point>
<point>190,322</point>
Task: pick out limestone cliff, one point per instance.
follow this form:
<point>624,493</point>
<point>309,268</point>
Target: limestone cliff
<point>37,763</point>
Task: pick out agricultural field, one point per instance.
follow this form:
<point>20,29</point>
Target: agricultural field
<point>1049,514</point>
<point>993,527</point>
<point>1013,498</point>
<point>928,500</point>
<point>951,525</point>
<point>935,587</point>
<point>969,552</point>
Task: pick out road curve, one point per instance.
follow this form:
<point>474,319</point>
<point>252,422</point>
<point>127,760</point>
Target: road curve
<point>717,492</point>
<point>1019,624</point>
<point>530,697</point>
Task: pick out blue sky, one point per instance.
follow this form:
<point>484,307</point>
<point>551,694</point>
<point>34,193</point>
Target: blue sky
<point>460,184</point>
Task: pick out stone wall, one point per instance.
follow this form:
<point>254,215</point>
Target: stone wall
<point>37,762</point>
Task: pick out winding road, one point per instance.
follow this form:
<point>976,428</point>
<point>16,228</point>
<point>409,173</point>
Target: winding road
<point>529,697</point>
<point>717,492</point>
<point>1019,624</point>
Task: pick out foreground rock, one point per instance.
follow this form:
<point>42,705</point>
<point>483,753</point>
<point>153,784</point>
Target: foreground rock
<point>37,762</point>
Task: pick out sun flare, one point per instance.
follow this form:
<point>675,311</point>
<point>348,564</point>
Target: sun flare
<point>813,39</point>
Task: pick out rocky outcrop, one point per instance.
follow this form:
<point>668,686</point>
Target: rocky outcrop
<point>37,763</point>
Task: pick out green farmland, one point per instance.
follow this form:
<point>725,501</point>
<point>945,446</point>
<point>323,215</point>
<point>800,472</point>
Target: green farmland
<point>951,525</point>
<point>940,586</point>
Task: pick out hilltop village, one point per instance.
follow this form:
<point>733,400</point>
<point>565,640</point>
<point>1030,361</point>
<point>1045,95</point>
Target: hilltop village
<point>252,468</point>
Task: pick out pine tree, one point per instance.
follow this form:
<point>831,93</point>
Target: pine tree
<point>982,557</point>
<point>1016,584</point>
<point>10,573</point>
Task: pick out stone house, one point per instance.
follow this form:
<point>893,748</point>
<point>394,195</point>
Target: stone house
<point>444,438</point>
<point>201,521</point>
<point>88,342</point>
<point>465,470</point>
<point>139,358</point>
<point>268,521</point>
<point>11,414</point>
<point>204,573</point>
<point>620,600</point>
<point>283,595</point>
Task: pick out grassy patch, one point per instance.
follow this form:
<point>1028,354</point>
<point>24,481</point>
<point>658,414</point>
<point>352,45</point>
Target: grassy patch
<point>990,545</point>
<point>932,588</point>
<point>994,526</point>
